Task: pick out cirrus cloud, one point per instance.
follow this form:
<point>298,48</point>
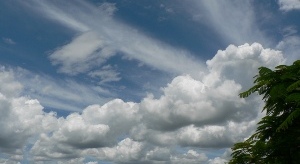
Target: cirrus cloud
<point>288,5</point>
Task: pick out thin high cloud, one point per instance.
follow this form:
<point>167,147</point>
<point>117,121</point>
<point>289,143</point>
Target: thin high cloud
<point>233,20</point>
<point>109,37</point>
<point>9,41</point>
<point>61,94</point>
<point>288,5</point>
<point>290,44</point>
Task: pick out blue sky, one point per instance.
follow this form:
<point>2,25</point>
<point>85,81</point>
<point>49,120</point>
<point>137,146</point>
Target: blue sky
<point>135,81</point>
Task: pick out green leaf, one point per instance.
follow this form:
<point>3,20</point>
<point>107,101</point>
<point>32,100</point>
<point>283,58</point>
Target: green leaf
<point>289,120</point>
<point>294,86</point>
<point>248,92</point>
<point>278,90</point>
<point>294,97</point>
<point>280,67</point>
<point>277,133</point>
<point>264,71</point>
<point>297,62</point>
<point>289,76</point>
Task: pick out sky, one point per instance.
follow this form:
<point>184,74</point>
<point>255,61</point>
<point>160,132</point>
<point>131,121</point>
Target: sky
<point>146,82</point>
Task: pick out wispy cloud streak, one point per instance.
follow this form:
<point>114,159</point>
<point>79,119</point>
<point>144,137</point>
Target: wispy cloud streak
<point>234,21</point>
<point>115,36</point>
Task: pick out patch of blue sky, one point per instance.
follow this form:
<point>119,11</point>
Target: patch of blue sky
<point>32,37</point>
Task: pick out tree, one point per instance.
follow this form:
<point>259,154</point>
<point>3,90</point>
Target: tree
<point>277,137</point>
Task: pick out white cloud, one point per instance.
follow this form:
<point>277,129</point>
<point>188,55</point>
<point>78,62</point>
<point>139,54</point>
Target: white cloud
<point>190,157</point>
<point>126,151</point>
<point>92,162</point>
<point>8,86</point>
<point>190,114</point>
<point>119,115</point>
<point>83,53</point>
<point>221,159</point>
<point>240,63</point>
<point>97,127</point>
<point>74,133</point>
<point>288,5</point>
<point>21,118</point>
<point>217,136</point>
<point>184,101</point>
<point>217,160</point>
<point>158,154</point>
<point>183,104</point>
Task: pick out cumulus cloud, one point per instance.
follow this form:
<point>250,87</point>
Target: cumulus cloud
<point>21,117</point>
<point>8,86</point>
<point>218,136</point>
<point>190,157</point>
<point>97,127</point>
<point>288,5</point>
<point>247,58</point>
<point>214,99</point>
<point>208,113</point>
<point>182,104</point>
<point>158,154</point>
<point>190,114</point>
<point>127,151</point>
<point>73,134</point>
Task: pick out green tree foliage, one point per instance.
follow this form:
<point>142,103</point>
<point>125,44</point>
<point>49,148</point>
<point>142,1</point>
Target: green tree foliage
<point>277,137</point>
